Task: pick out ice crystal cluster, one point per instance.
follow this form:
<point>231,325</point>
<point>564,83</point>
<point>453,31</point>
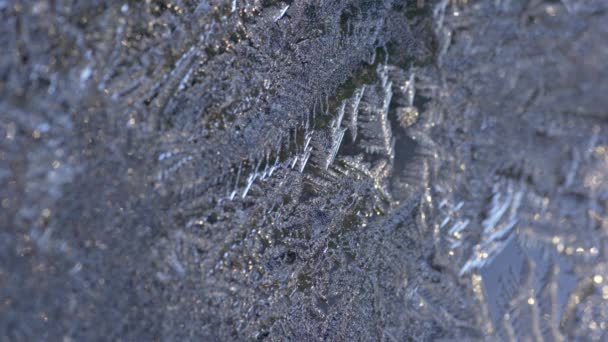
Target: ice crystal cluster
<point>394,170</point>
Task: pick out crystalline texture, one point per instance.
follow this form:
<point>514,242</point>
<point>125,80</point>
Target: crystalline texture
<point>179,170</point>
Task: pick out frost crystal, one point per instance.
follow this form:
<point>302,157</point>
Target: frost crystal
<point>234,170</point>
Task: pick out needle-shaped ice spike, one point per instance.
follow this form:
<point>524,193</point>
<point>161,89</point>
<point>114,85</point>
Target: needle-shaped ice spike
<point>336,141</point>
<point>294,161</point>
<point>338,120</point>
<point>304,160</point>
<point>355,112</point>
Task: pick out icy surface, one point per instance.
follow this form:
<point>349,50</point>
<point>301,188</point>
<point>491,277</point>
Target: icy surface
<point>303,170</point>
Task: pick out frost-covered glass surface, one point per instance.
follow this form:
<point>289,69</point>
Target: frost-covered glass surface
<point>303,170</point>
